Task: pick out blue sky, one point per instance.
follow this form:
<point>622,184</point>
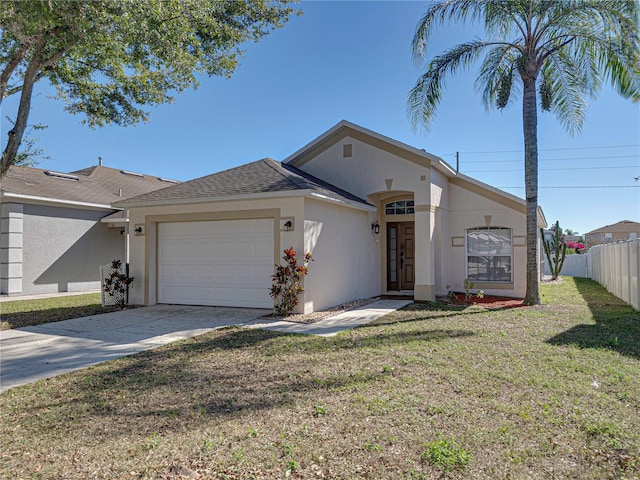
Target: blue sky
<point>352,60</point>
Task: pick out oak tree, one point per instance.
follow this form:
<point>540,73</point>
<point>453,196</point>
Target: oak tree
<point>112,59</point>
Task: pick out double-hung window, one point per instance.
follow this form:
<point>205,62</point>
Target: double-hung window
<point>489,254</point>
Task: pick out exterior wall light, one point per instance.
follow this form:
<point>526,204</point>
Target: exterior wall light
<point>375,226</point>
<point>287,226</point>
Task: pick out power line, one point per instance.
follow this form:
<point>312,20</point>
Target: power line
<point>587,186</point>
<point>551,169</point>
<point>572,159</point>
<point>550,149</point>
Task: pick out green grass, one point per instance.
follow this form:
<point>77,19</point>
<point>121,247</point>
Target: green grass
<point>430,391</point>
<point>25,313</point>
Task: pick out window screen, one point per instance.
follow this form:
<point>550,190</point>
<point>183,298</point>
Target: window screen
<point>489,254</point>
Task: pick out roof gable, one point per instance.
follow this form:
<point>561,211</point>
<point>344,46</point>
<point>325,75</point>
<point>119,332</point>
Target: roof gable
<point>345,129</point>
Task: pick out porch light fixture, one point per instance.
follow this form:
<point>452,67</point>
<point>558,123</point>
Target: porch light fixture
<point>375,226</point>
<point>287,225</point>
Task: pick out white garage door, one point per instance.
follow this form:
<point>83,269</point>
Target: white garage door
<point>223,263</point>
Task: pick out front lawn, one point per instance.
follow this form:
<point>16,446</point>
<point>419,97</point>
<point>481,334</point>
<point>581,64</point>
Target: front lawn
<point>27,313</point>
<point>427,392</point>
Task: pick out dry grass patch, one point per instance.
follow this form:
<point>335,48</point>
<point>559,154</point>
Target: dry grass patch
<point>426,392</point>
<point>27,313</point>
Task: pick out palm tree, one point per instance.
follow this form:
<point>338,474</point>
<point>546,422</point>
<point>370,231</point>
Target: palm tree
<point>562,49</point>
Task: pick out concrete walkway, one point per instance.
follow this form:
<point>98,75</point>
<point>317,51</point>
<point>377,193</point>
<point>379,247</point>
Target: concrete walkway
<point>33,353</point>
<point>330,326</point>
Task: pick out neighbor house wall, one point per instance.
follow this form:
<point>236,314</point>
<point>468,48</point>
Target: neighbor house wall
<point>63,248</point>
<point>346,255</point>
<point>142,247</point>
<point>11,249</point>
<point>469,209</point>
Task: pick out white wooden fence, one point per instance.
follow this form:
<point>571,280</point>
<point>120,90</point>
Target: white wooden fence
<point>615,266</point>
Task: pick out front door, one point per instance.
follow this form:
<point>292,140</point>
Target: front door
<point>400,256</point>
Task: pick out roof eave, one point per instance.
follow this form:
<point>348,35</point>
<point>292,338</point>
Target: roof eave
<point>7,196</point>
<point>216,199</point>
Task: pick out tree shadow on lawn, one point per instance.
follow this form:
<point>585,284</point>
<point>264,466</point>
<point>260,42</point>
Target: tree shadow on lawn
<point>431,311</point>
<point>617,323</point>
<point>173,382</point>
<point>238,338</point>
<point>39,317</point>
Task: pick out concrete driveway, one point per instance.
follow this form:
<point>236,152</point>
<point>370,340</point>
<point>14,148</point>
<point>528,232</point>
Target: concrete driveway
<point>32,353</point>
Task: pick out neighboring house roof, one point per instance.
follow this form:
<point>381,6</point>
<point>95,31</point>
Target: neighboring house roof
<point>621,227</point>
<point>260,178</point>
<point>97,185</point>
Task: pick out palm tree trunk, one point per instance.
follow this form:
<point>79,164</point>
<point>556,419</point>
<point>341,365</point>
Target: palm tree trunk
<point>530,127</point>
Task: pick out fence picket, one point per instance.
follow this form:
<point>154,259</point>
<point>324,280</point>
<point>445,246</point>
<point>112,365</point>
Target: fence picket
<point>615,266</point>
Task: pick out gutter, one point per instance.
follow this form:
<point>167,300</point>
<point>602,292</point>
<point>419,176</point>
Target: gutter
<point>249,196</point>
<point>55,201</point>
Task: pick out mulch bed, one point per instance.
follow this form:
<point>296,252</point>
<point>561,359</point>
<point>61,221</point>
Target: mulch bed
<point>490,302</point>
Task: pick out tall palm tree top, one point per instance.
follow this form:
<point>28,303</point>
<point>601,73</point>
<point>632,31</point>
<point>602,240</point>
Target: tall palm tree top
<point>564,48</point>
<point>568,47</point>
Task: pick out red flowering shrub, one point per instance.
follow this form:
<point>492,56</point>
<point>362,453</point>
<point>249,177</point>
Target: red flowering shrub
<point>286,282</point>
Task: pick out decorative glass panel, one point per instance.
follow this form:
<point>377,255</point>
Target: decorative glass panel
<point>399,207</point>
<point>393,233</point>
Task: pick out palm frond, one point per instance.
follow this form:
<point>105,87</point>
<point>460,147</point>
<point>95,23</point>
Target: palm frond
<point>574,45</point>
<point>498,63</point>
<point>438,14</point>
<point>425,96</point>
<point>567,85</point>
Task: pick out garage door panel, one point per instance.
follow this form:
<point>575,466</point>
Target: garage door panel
<point>225,263</point>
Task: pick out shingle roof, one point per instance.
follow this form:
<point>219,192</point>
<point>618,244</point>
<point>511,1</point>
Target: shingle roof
<point>621,227</point>
<point>97,184</point>
<point>262,176</point>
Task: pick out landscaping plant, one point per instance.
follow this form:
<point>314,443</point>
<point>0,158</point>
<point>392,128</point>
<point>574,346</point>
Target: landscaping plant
<point>117,283</point>
<point>287,282</point>
<point>556,247</point>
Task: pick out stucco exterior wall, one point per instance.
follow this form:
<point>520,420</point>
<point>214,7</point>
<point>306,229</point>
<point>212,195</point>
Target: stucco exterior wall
<point>143,247</point>
<point>63,248</point>
<point>346,255</point>
<point>441,241</point>
<point>468,210</point>
<point>367,171</point>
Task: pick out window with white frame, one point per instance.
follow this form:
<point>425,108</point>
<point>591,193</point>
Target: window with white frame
<point>608,237</point>
<point>489,254</point>
<point>399,207</point>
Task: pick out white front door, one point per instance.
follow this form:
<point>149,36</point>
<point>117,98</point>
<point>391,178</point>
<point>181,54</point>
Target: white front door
<point>222,263</point>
